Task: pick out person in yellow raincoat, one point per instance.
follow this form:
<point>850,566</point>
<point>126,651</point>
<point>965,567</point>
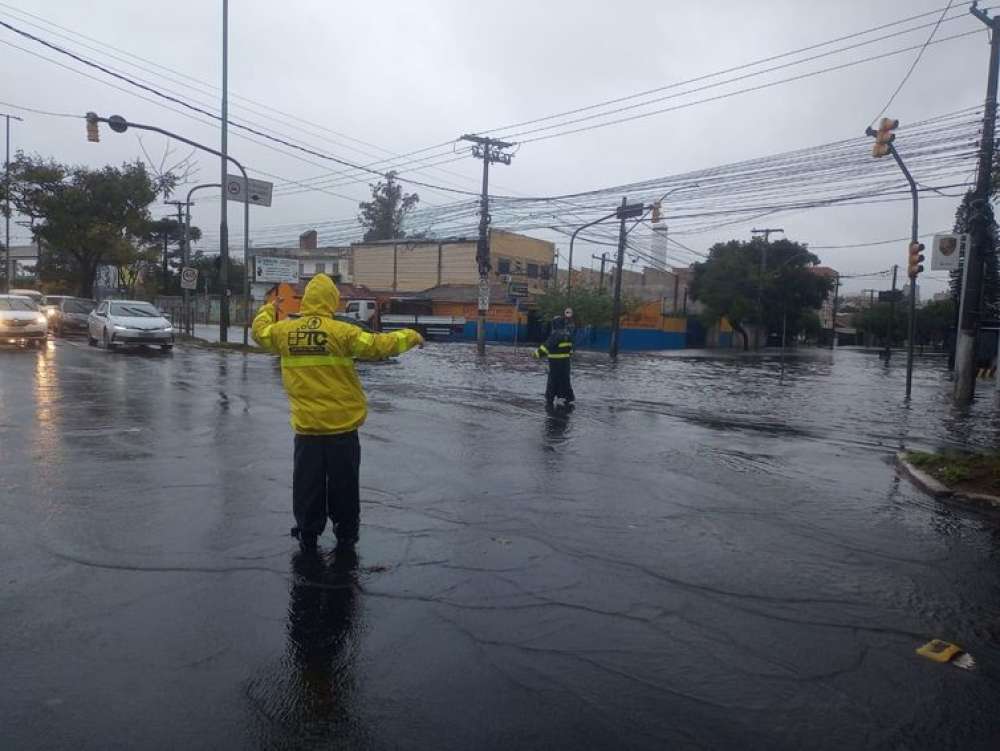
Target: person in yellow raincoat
<point>327,403</point>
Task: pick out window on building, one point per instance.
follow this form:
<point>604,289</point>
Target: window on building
<point>545,270</point>
<point>320,268</point>
<point>503,266</point>
<point>302,269</point>
<point>335,267</point>
<point>532,270</point>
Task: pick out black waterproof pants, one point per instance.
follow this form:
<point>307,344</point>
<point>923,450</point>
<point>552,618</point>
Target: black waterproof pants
<point>558,385</point>
<point>325,482</point>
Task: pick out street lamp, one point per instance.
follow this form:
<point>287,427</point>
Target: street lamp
<point>648,208</point>
<point>186,251</point>
<point>119,124</point>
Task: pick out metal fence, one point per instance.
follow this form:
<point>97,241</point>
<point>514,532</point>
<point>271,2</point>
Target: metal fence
<point>205,309</point>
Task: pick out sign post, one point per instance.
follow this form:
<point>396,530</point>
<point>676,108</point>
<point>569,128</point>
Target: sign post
<point>271,270</point>
<point>189,278</point>
<point>256,192</point>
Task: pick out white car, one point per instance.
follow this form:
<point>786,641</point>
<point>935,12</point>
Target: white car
<point>21,322</point>
<point>129,323</point>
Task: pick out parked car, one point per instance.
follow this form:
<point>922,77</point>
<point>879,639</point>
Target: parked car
<point>68,315</point>
<point>21,322</point>
<point>32,294</point>
<point>129,323</point>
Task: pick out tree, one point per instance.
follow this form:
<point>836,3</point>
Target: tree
<point>991,273</point>
<point>157,238</point>
<point>729,284</point>
<point>383,215</point>
<point>935,322</point>
<point>591,307</point>
<point>208,270</point>
<point>83,217</point>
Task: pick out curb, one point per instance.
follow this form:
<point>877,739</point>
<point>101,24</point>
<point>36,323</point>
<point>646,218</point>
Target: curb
<point>921,479</point>
<point>939,490</point>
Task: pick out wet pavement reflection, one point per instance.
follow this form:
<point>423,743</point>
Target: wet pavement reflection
<point>709,551</point>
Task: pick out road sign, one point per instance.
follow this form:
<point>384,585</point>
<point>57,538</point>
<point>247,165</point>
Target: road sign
<point>947,250</point>
<point>517,289</point>
<point>274,270</point>
<point>888,295</point>
<point>259,192</point>
<point>632,210</point>
<point>484,295</point>
<point>189,278</point>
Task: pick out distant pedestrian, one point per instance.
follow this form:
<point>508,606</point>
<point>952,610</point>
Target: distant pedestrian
<point>328,405</point>
<point>558,349</point>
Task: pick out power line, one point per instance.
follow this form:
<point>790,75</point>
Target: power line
<point>913,65</point>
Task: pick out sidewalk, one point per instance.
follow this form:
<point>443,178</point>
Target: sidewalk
<point>210,333</point>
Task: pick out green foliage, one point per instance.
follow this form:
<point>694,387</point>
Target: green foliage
<point>83,217</point>
<point>383,216</point>
<point>729,284</point>
<point>208,269</point>
<point>964,222</point>
<point>591,307</point>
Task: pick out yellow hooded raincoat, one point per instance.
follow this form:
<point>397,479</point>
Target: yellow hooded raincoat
<point>317,359</point>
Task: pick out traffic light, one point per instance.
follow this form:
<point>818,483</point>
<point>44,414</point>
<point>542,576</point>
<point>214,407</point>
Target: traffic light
<point>655,215</point>
<point>93,134</point>
<point>884,137</point>
<point>916,259</point>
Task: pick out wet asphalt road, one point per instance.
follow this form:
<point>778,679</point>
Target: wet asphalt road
<point>705,554</point>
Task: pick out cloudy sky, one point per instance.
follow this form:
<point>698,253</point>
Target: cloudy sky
<point>366,81</point>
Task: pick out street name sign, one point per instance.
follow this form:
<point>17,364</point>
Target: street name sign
<point>272,270</point>
<point>258,192</point>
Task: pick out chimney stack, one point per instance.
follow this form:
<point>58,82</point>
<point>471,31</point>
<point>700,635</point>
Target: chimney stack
<point>307,240</point>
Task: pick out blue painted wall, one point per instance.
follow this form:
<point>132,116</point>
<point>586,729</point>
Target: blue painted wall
<point>496,332</point>
<point>633,339</point>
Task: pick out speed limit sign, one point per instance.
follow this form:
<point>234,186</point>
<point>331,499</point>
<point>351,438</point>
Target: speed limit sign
<point>189,278</point>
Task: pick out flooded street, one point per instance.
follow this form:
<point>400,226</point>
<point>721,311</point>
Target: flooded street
<point>711,551</point>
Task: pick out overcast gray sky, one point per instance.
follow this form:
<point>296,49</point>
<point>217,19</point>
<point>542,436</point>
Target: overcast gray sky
<point>406,75</point>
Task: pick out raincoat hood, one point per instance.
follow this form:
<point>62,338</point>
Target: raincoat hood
<point>321,297</point>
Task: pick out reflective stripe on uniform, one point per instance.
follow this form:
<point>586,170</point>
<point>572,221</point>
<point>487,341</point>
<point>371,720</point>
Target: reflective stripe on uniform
<point>544,349</point>
<point>363,341</point>
<point>402,342</point>
<point>559,357</point>
<point>310,361</point>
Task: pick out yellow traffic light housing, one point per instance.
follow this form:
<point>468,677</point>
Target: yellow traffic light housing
<point>884,137</point>
<point>93,134</point>
<point>916,259</point>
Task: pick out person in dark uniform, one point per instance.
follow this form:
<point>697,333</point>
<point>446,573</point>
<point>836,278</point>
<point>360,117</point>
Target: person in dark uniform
<point>558,349</point>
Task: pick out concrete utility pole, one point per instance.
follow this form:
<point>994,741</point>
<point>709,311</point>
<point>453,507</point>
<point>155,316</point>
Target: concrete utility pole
<point>223,207</point>
<point>616,308</point>
<point>490,151</point>
<point>766,232</point>
<point>981,244</point>
<point>833,321</point>
<point>180,228</point>
<point>8,266</point>
<point>603,258</point>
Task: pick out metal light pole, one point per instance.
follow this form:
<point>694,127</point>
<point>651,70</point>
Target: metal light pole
<point>119,124</point>
<point>572,239</point>
<point>223,205</point>
<point>186,254</point>
<point>8,266</point>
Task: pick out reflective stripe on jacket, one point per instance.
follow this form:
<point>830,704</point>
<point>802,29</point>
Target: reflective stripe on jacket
<point>317,359</point>
<point>559,346</point>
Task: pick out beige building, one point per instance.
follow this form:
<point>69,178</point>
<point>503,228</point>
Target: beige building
<point>412,265</point>
<point>334,260</point>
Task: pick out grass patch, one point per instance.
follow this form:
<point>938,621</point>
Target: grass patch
<point>975,473</point>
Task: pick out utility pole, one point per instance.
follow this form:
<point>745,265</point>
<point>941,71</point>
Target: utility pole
<point>181,232</point>
<point>892,316</point>
<point>8,266</point>
<point>490,151</point>
<point>833,323</point>
<point>223,211</point>
<point>981,244</point>
<point>766,232</point>
<point>616,307</point>
<point>603,258</point>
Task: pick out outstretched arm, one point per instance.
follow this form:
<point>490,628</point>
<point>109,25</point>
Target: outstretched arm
<point>369,346</point>
<point>262,325</point>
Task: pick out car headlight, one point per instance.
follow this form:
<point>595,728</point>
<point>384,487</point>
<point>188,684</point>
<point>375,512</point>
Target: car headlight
<point>40,318</point>
<point>168,329</point>
<point>116,327</point>
<point>50,312</point>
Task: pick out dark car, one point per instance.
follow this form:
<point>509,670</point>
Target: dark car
<point>68,315</point>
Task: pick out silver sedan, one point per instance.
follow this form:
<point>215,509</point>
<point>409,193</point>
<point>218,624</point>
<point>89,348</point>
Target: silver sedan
<point>129,323</point>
